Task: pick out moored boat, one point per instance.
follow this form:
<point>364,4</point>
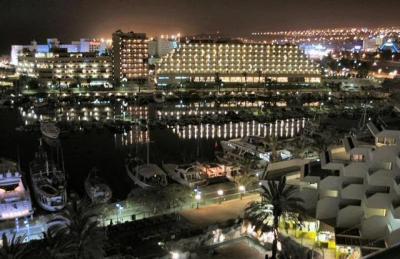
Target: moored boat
<point>48,181</point>
<point>49,130</point>
<point>96,189</point>
<point>159,97</point>
<point>145,175</point>
<point>189,175</point>
<point>15,201</point>
<point>252,148</point>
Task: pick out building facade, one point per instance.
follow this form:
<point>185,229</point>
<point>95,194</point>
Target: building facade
<point>362,193</point>
<point>160,47</point>
<point>236,63</point>
<point>83,46</point>
<point>66,68</point>
<point>130,56</point>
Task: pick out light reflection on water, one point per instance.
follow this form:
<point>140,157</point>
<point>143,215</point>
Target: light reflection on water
<point>139,134</point>
<point>131,137</point>
<point>280,128</point>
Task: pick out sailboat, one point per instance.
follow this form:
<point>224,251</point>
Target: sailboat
<point>48,181</point>
<point>49,130</point>
<point>96,189</point>
<point>145,175</point>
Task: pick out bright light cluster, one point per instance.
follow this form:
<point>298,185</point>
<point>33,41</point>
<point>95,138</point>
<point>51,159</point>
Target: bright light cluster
<point>247,62</point>
<point>65,67</point>
<point>330,35</point>
<point>130,53</point>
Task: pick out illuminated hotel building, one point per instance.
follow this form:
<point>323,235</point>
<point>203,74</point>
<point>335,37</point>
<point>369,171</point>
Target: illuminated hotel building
<point>236,63</point>
<point>130,56</point>
<point>83,45</point>
<point>66,68</point>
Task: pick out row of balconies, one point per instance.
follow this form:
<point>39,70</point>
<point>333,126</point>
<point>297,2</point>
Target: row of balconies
<point>238,46</point>
<point>362,194</point>
<point>239,59</point>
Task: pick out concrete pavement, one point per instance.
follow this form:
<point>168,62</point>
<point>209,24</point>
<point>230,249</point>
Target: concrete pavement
<point>212,214</point>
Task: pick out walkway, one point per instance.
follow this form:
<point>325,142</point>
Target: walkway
<point>212,214</point>
<point>206,216</point>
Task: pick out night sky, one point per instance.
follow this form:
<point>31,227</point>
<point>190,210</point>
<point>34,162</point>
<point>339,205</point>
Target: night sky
<point>24,20</point>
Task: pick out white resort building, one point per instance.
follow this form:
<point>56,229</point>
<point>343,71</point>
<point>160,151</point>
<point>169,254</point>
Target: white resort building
<point>360,196</point>
<point>64,68</point>
<point>236,63</point>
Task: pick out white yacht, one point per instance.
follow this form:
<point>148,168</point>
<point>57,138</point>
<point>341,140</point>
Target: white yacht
<point>190,175</point>
<point>250,147</point>
<point>145,175</point>
<point>215,170</point>
<point>159,97</point>
<point>15,201</point>
<point>49,130</point>
<point>96,189</point>
<point>49,183</point>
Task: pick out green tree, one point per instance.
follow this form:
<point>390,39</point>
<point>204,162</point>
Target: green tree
<point>33,84</point>
<point>246,178</point>
<point>218,81</point>
<point>13,248</point>
<point>283,200</point>
<point>244,74</point>
<point>160,199</point>
<point>82,229</point>
<point>272,142</point>
<point>54,245</point>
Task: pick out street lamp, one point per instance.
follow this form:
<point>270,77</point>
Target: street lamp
<point>242,189</point>
<point>220,194</point>
<point>120,208</point>
<point>26,222</point>
<point>198,198</point>
<point>175,255</point>
<point>16,224</point>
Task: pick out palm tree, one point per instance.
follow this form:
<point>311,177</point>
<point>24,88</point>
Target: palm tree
<point>246,178</point>
<point>14,248</point>
<point>56,244</point>
<point>283,201</point>
<point>244,74</point>
<point>272,140</point>
<point>82,229</point>
<point>259,74</point>
<point>218,80</point>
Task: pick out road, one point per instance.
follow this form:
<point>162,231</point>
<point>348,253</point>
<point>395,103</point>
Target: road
<point>150,90</point>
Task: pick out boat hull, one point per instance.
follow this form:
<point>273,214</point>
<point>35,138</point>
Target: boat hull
<point>52,208</point>
<point>98,193</point>
<point>170,170</point>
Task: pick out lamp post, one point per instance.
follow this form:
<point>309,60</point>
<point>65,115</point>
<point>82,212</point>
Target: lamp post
<point>16,224</point>
<point>242,190</point>
<point>119,208</point>
<point>220,194</point>
<point>198,198</point>
<point>26,222</point>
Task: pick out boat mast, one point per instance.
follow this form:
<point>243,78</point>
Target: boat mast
<point>148,145</point>
<point>18,160</point>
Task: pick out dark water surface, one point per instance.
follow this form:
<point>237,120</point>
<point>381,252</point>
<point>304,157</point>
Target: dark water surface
<point>101,149</point>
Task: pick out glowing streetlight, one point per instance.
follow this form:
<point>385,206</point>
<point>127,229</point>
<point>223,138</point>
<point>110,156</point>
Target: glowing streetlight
<point>174,255</point>
<point>220,194</point>
<point>120,209</point>
<point>26,222</point>
<point>242,190</point>
<point>197,198</point>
